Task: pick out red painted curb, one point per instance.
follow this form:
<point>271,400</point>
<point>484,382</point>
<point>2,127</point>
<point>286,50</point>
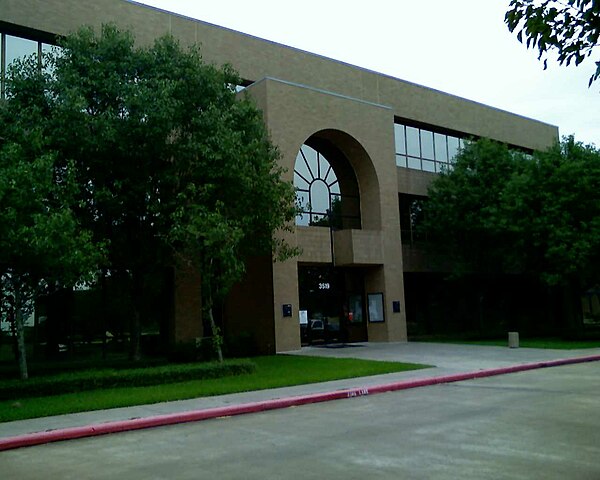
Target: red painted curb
<point>39,438</point>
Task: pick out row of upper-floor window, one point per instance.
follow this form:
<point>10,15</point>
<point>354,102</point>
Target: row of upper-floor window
<point>423,149</point>
<point>416,148</point>
<point>12,48</point>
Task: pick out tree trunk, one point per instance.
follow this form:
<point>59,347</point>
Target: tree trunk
<point>20,328</point>
<point>135,330</point>
<point>104,300</point>
<point>207,302</point>
<point>215,334</point>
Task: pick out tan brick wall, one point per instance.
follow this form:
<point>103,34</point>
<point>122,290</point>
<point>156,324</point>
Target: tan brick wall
<point>315,244</point>
<point>358,247</point>
<point>364,133</point>
<point>255,59</point>
<point>302,95</point>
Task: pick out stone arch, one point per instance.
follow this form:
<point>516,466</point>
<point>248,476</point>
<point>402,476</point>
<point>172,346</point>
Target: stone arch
<point>356,175</point>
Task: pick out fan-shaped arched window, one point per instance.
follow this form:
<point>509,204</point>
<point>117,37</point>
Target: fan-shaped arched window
<point>317,188</point>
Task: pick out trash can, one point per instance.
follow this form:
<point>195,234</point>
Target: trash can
<point>513,339</point>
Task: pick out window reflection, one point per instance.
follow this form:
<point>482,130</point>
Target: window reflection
<point>412,142</point>
<point>428,166</point>
<point>452,147</point>
<point>414,163</point>
<point>422,149</point>
<point>441,148</point>
<point>427,144</point>
<point>16,48</point>
<point>400,136</point>
<point>401,160</point>
<point>318,193</point>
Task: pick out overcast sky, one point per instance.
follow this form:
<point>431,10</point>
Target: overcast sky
<point>461,47</point>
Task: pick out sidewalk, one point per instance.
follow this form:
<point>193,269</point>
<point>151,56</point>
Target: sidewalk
<point>447,360</point>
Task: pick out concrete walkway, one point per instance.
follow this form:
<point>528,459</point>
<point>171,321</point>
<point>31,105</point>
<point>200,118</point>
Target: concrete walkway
<point>446,360</point>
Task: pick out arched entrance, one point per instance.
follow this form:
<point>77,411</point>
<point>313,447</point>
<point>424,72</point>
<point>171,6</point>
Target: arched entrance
<point>331,298</point>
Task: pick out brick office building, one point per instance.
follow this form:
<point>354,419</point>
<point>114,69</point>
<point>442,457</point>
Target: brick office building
<point>352,140</point>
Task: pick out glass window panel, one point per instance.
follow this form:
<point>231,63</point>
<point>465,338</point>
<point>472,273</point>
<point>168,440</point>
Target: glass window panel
<point>414,163</point>
<point>301,169</point>
<point>319,196</point>
<point>441,151</point>
<point>300,182</point>
<point>327,172</point>
<point>46,49</point>
<point>302,199</point>
<point>324,168</point>
<point>427,144</point>
<point>310,154</point>
<point>302,219</point>
<point>452,147</point>
<point>17,47</point>
<point>412,142</point>
<point>428,166</point>
<point>401,161</point>
<point>335,188</point>
<point>400,138</point>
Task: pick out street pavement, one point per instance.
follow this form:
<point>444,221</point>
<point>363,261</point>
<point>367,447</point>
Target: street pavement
<point>445,359</point>
<point>539,424</point>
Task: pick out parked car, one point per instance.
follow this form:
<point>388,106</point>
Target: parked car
<point>316,331</point>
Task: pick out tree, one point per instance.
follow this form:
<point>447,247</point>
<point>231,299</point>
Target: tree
<point>42,245</point>
<point>554,208</point>
<point>570,27</point>
<point>499,210</point>
<point>231,200</point>
<point>464,214</point>
<point>502,210</point>
<point>174,165</point>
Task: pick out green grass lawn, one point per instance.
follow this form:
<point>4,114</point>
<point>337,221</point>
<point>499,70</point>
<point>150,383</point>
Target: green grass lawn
<point>271,372</point>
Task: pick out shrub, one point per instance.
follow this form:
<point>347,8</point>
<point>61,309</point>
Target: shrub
<point>115,378</point>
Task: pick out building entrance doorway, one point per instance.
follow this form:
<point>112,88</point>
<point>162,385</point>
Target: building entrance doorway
<point>332,305</point>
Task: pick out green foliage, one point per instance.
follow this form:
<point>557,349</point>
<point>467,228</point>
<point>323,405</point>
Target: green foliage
<point>571,28</point>
<point>463,216</point>
<point>42,242</point>
<point>137,377</point>
<point>554,212</point>
<point>333,219</point>
<point>500,210</point>
<point>171,164</point>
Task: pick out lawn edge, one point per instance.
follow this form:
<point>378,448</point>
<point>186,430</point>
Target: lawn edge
<point>57,435</point>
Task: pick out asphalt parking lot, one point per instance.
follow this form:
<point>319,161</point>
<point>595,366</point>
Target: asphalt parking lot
<point>539,424</point>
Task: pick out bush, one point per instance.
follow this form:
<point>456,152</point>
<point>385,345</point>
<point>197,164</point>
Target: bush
<point>200,350</point>
<point>115,378</point>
